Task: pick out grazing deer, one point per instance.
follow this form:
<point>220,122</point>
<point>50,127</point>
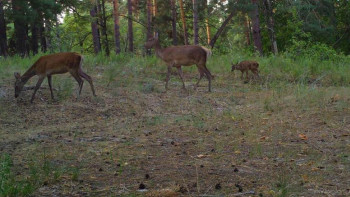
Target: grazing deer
<point>48,65</point>
<point>177,56</point>
<point>245,66</point>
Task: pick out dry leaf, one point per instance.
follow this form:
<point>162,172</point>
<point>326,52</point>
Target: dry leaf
<point>264,138</point>
<point>237,152</point>
<point>201,156</point>
<point>302,136</point>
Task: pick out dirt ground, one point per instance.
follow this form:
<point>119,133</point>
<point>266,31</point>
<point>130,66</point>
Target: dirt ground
<point>243,139</point>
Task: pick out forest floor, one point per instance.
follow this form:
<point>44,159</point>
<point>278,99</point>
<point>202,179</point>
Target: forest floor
<point>242,139</point>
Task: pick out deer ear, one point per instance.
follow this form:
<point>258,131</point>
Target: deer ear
<point>17,75</point>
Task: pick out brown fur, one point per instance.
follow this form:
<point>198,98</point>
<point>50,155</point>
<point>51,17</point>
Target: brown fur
<point>177,56</point>
<point>48,65</point>
<point>245,66</point>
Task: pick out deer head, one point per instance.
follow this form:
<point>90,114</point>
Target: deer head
<point>18,84</point>
<point>234,66</point>
<point>151,42</point>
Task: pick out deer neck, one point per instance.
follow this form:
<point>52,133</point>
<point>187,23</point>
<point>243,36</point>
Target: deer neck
<point>27,75</point>
<point>158,49</point>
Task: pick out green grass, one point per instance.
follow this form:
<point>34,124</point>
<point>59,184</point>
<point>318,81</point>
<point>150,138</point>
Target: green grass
<point>254,125</point>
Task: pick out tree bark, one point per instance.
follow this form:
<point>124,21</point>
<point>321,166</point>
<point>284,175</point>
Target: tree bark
<point>42,35</point>
<point>94,30</point>
<point>195,22</point>
<point>35,40</point>
<point>20,27</point>
<point>149,22</point>
<point>207,22</point>
<point>154,7</point>
<point>173,11</point>
<point>270,26</point>
<point>183,19</point>
<point>246,29</point>
<point>3,36</point>
<point>48,35</point>
<point>130,31</point>
<point>220,30</point>
<point>256,28</point>
<point>116,26</point>
<point>104,29</point>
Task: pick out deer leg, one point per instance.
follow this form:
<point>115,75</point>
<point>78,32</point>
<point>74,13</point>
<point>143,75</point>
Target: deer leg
<point>256,72</point>
<point>38,84</point>
<point>168,76</point>
<point>208,75</point>
<point>246,74</point>
<point>181,76</point>
<point>79,80</point>
<point>89,79</point>
<point>49,79</point>
<point>209,79</point>
<point>201,75</point>
<point>242,75</point>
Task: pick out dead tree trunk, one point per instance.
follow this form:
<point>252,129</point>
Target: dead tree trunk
<point>220,30</point>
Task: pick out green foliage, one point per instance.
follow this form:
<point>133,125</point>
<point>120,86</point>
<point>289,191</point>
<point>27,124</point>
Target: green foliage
<point>9,185</point>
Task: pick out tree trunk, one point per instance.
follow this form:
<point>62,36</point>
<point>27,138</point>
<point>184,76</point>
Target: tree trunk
<point>195,22</point>
<point>3,36</point>
<point>130,31</point>
<point>173,11</point>
<point>35,40</point>
<point>207,23</point>
<point>116,26</point>
<point>183,19</point>
<point>104,29</point>
<point>20,27</point>
<point>220,30</point>
<point>149,22</point>
<point>246,29</point>
<point>94,30</point>
<point>48,35</point>
<point>42,36</point>
<point>154,7</point>
<point>256,28</point>
<point>270,26</point>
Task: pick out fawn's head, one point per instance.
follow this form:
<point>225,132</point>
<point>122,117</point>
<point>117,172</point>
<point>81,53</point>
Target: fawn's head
<point>233,66</point>
<point>151,42</point>
<point>18,84</point>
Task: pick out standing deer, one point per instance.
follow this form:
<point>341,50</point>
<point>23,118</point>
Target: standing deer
<point>245,66</point>
<point>177,56</point>
<point>48,65</point>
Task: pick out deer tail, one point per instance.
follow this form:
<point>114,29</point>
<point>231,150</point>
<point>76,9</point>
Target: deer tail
<point>208,51</point>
